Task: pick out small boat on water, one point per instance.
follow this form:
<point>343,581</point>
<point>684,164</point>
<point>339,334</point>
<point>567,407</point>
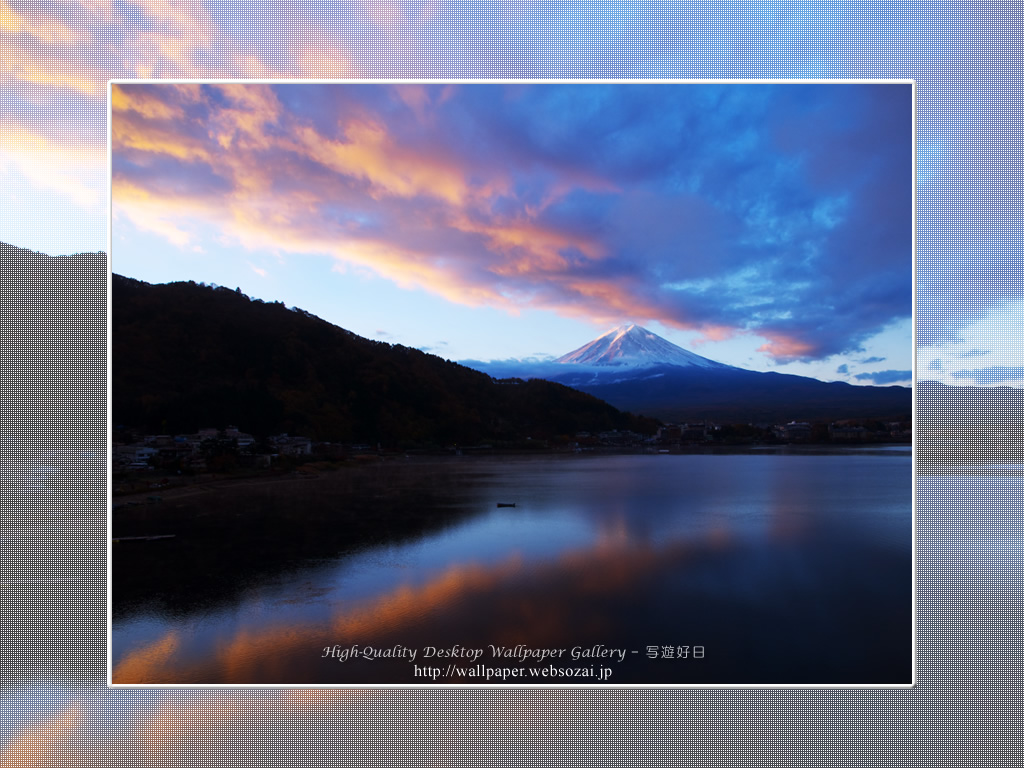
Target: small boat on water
<point>506,504</point>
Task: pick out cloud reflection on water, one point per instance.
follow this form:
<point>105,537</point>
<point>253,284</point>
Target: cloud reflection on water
<point>549,604</point>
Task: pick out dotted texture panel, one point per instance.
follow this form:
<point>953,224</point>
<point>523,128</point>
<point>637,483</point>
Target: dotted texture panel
<point>56,708</point>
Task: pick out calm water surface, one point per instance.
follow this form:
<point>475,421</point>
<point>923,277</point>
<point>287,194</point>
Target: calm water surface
<point>784,569</point>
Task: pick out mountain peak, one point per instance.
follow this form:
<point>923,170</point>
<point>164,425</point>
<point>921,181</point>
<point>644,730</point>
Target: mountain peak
<point>625,329</point>
<point>633,345</point>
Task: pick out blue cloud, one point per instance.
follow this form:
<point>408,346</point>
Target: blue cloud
<point>885,377</point>
<point>995,374</point>
<point>844,368</point>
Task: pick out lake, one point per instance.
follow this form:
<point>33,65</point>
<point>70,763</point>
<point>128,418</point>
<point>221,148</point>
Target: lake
<point>771,567</point>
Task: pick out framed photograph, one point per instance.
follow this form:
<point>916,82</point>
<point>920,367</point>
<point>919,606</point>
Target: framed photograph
<point>480,383</point>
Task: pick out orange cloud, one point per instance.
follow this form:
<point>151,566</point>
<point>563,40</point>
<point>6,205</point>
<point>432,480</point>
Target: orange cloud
<point>783,347</point>
<point>417,98</point>
<point>240,126</point>
<point>66,47</point>
<point>49,50</point>
<point>170,37</point>
<point>45,743</point>
<point>708,333</point>
<point>529,248</point>
<point>10,21</point>
<point>55,74</point>
<point>158,141</point>
<point>319,57</point>
<point>409,269</point>
<point>613,297</point>
<point>55,164</point>
<point>369,153</point>
<point>42,26</point>
<point>143,121</point>
<point>146,103</point>
<point>717,333</point>
<point>161,214</point>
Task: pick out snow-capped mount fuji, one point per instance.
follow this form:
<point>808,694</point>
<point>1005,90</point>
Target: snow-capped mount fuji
<point>633,345</point>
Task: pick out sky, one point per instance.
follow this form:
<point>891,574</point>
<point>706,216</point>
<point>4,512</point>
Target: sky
<point>54,172</point>
<point>53,163</point>
<point>763,225</point>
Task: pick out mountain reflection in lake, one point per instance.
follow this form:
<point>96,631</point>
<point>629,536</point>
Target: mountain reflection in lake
<point>784,569</point>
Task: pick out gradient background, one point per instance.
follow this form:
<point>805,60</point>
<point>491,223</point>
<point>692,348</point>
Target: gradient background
<point>55,707</point>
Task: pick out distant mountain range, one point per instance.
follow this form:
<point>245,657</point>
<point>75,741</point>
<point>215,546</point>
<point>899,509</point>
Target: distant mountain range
<point>638,371</point>
<point>187,356</point>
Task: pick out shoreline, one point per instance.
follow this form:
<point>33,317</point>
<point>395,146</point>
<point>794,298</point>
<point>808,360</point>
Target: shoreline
<point>174,487</point>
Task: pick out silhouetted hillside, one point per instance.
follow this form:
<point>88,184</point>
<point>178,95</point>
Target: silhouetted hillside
<point>187,356</point>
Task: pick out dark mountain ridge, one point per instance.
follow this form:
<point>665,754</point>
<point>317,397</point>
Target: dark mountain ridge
<point>185,356</point>
<point>674,394</point>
